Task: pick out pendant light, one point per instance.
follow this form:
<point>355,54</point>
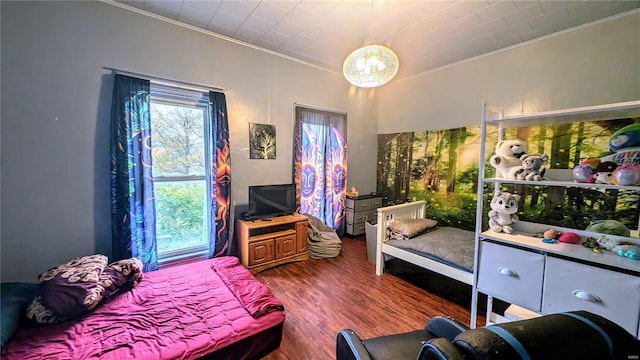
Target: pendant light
<point>371,66</point>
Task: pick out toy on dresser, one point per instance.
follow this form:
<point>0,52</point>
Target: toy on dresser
<point>614,227</point>
<point>628,250</point>
<point>502,215</point>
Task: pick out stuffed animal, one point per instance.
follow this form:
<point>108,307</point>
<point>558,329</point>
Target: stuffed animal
<point>502,215</point>
<point>630,251</point>
<point>506,161</point>
<point>532,167</point>
<point>603,173</point>
<point>607,243</point>
<point>611,227</point>
<point>624,249</point>
<point>628,136</point>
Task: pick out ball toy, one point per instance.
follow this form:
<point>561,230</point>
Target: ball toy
<point>626,175</point>
<point>583,174</point>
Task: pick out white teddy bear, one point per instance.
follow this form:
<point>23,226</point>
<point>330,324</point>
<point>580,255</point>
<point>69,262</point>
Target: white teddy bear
<point>507,158</point>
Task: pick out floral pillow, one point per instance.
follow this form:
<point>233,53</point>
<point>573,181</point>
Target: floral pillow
<point>74,288</point>
<point>120,273</point>
<point>402,229</point>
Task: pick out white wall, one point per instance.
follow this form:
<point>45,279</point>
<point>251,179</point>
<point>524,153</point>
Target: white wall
<point>56,95</point>
<point>596,64</point>
<point>56,99</point>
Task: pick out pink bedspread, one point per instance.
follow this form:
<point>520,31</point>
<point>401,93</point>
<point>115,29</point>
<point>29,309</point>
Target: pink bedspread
<point>181,312</point>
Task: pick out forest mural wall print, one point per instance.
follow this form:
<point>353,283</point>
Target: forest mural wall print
<point>441,167</point>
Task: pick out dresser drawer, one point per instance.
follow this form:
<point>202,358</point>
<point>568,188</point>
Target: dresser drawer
<point>358,205</point>
<point>574,286</point>
<point>355,217</point>
<point>512,275</point>
<point>355,229</point>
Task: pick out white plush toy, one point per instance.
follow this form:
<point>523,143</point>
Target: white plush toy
<point>533,168</point>
<point>502,215</point>
<point>507,158</point>
<point>607,243</point>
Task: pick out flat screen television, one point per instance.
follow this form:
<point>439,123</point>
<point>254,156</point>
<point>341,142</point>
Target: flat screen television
<point>267,201</point>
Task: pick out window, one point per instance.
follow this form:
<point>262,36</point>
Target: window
<point>179,123</point>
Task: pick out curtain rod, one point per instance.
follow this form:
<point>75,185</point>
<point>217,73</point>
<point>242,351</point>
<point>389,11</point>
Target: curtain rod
<point>166,81</point>
<point>319,108</point>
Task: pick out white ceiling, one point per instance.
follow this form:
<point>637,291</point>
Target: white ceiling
<point>425,34</point>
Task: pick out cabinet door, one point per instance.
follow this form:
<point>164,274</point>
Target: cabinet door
<point>286,246</point>
<point>574,286</point>
<point>261,252</point>
<point>511,274</point>
<point>302,235</point>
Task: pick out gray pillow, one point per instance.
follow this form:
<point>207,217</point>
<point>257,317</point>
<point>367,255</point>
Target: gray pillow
<point>402,229</point>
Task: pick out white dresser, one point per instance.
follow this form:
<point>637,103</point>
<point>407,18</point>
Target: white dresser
<point>545,283</point>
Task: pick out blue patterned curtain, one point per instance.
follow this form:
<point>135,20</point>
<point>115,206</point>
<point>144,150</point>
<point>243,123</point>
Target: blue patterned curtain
<point>132,205</point>
<point>320,171</point>
<point>220,176</point>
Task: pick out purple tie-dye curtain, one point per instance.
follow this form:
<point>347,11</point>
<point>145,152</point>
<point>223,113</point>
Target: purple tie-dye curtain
<point>220,176</point>
<point>320,170</point>
<point>132,206</point>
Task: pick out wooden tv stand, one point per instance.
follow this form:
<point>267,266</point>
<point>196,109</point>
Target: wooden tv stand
<point>267,243</point>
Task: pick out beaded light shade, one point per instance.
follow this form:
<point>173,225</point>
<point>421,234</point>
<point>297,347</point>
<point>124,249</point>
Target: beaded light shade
<point>370,66</point>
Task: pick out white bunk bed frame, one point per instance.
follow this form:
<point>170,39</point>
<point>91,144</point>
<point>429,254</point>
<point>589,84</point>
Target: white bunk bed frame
<point>415,210</point>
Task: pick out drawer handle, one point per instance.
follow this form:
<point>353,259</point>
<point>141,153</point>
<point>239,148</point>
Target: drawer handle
<point>508,272</point>
<point>583,295</point>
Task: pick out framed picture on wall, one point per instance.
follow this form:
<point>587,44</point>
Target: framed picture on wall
<point>262,141</point>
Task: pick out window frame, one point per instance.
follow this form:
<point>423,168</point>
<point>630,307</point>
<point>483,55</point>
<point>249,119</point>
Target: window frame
<point>174,95</point>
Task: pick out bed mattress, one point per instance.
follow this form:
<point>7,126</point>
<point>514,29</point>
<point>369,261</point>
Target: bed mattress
<point>451,246</point>
<point>213,308</point>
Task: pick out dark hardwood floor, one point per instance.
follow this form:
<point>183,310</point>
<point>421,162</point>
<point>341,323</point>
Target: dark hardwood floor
<point>324,296</point>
